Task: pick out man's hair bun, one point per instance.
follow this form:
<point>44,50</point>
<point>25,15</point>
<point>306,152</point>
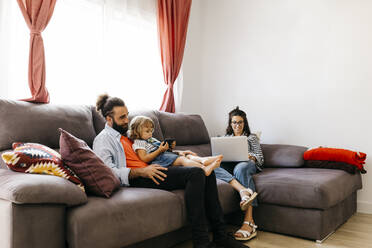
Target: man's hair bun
<point>105,104</point>
<point>101,101</point>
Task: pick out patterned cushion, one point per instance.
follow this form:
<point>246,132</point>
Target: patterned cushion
<point>38,159</point>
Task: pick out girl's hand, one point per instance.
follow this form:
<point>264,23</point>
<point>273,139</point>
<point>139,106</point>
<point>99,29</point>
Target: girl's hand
<point>173,144</point>
<point>163,147</point>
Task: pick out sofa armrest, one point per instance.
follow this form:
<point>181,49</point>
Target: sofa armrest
<point>32,225</point>
<point>282,156</point>
<point>32,188</point>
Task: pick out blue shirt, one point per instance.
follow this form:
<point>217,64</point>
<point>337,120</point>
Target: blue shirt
<point>108,147</point>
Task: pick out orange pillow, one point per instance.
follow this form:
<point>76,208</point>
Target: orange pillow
<point>338,155</point>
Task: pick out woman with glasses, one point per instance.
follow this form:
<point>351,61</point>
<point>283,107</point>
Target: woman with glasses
<point>240,175</point>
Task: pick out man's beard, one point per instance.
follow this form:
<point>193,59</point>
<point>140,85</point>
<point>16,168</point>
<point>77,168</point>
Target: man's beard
<point>122,130</point>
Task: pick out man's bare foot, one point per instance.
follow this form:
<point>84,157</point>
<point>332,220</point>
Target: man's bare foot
<point>209,168</point>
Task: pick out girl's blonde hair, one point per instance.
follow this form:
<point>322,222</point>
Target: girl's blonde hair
<point>137,124</point>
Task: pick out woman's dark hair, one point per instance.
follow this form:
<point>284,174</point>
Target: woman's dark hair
<point>105,104</point>
<point>237,112</point>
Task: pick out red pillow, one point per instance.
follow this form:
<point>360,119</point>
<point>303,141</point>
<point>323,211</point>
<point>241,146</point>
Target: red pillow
<point>338,155</point>
<point>38,159</point>
<point>97,177</point>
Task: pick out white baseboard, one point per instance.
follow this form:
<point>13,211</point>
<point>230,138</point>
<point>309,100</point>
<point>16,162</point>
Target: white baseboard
<point>364,207</point>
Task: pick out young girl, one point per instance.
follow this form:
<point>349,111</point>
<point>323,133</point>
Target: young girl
<point>150,150</point>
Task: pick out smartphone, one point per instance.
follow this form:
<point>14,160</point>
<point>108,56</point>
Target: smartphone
<point>169,141</point>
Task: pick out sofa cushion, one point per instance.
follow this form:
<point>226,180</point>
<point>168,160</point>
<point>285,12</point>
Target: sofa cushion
<point>39,159</point>
<point>228,196</point>
<point>203,150</point>
<point>39,123</point>
<point>98,120</point>
<point>2,163</point>
<point>33,188</point>
<point>98,178</point>
<point>330,165</point>
<point>186,129</point>
<point>131,215</point>
<point>277,156</point>
<point>305,187</point>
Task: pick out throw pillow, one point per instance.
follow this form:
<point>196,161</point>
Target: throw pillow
<point>38,159</point>
<point>331,165</point>
<point>356,159</point>
<point>97,177</point>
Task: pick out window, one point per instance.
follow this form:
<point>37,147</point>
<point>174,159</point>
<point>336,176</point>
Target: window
<point>91,47</point>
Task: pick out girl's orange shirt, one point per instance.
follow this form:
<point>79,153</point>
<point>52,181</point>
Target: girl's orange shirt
<point>133,161</point>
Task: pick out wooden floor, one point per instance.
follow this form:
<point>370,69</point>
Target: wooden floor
<point>355,233</point>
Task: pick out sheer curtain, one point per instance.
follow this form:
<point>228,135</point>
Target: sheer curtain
<point>91,47</point>
<point>14,50</point>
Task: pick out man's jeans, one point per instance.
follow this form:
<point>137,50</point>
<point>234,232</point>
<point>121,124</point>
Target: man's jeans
<point>242,172</point>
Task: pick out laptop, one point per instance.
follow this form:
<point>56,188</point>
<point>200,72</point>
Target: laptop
<point>233,149</point>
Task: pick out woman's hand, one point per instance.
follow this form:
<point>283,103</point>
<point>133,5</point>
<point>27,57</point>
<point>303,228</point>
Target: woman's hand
<point>163,147</point>
<point>252,158</point>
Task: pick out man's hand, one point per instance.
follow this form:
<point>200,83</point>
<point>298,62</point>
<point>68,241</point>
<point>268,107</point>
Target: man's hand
<point>154,172</point>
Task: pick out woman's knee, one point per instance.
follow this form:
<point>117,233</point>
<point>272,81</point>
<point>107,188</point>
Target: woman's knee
<point>222,174</point>
<point>245,167</point>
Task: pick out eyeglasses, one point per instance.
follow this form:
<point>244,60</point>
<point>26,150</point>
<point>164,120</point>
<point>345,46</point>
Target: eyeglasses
<point>237,122</point>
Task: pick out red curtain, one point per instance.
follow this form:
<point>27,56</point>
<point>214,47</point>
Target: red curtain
<point>173,18</point>
<point>37,14</point>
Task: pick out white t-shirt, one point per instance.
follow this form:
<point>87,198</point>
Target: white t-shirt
<point>145,145</point>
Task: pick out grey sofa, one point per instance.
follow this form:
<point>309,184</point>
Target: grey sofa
<point>47,211</point>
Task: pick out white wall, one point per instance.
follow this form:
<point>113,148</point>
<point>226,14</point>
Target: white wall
<point>301,69</point>
<point>190,101</point>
